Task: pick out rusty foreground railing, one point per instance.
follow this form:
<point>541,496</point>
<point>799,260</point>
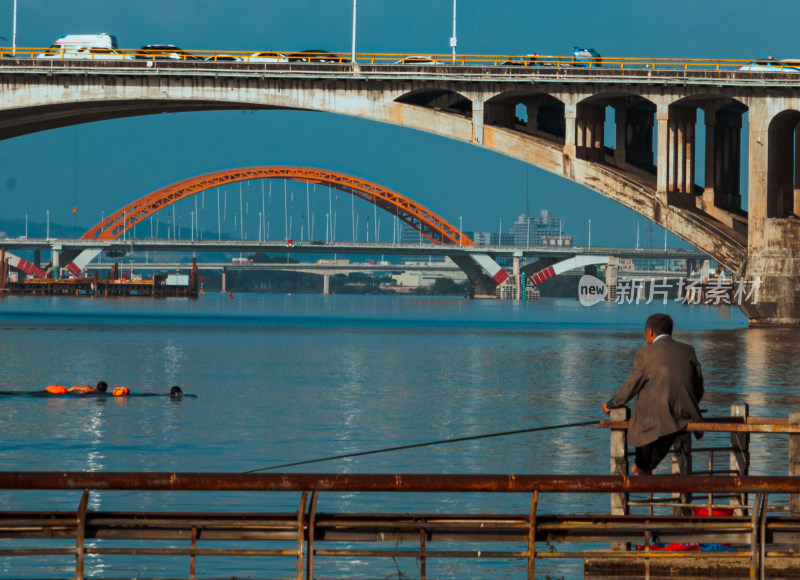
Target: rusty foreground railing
<point>308,536</point>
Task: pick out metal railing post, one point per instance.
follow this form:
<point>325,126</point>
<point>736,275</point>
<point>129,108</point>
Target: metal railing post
<point>619,466</point>
<point>532,536</point>
<point>619,459</point>
<point>312,521</point>
<point>301,539</point>
<point>423,570</point>
<point>740,456</point>
<point>794,462</point>
<point>80,537</point>
<point>682,465</point>
<point>193,555</point>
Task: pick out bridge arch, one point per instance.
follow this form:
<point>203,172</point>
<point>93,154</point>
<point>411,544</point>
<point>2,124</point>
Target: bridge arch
<point>722,122</point>
<point>635,131</point>
<point>430,225</point>
<point>783,180</point>
<point>438,99</point>
<point>528,110</point>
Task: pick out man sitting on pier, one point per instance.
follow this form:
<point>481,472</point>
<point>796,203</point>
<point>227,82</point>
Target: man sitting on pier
<point>666,377</point>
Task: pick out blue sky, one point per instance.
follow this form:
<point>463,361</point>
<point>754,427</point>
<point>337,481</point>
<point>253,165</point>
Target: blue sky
<point>101,167</point>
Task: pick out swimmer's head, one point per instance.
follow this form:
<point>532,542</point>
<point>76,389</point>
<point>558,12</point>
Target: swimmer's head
<point>176,392</point>
<point>102,386</point>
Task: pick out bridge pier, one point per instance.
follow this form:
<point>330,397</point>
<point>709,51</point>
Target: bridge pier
<point>675,182</point>
<point>612,277</point>
<point>773,240</point>
<point>589,137</point>
<point>723,158</point>
<point>56,264</point>
<point>326,284</point>
<point>634,130</point>
<point>3,269</point>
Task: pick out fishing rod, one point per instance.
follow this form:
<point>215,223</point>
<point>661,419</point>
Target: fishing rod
<point>427,444</point>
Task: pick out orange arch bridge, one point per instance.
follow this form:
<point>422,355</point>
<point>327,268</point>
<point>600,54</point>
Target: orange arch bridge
<point>482,270</point>
<point>432,226</point>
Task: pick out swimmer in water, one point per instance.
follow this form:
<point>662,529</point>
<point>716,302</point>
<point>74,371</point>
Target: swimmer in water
<point>101,387</point>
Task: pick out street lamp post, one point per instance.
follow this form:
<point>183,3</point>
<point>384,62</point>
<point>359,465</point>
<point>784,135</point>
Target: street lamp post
<point>14,31</point>
<point>453,39</point>
<point>353,50</point>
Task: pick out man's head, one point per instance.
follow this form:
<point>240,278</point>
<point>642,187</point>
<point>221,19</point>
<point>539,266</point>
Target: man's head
<point>176,392</point>
<point>656,325</point>
<point>102,386</point>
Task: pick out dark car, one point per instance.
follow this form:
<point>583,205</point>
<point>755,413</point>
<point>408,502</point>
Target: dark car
<point>163,52</point>
<point>531,59</point>
<point>314,56</point>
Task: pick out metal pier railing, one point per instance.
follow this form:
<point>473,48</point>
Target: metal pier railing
<point>308,536</point>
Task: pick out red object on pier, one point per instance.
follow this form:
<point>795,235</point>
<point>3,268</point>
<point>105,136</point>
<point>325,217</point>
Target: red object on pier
<point>714,511</point>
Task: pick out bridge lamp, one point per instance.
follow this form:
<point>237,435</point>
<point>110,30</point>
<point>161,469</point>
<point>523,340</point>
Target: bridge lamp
<point>14,31</point>
<point>353,50</point>
<point>453,39</point>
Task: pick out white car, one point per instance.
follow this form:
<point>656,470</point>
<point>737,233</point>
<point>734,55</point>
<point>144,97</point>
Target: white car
<point>223,58</point>
<point>94,53</point>
<point>416,59</point>
<point>83,46</point>
<point>787,65</point>
<point>266,57</point>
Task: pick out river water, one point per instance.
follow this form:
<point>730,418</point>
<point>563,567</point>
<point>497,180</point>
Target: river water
<point>283,378</point>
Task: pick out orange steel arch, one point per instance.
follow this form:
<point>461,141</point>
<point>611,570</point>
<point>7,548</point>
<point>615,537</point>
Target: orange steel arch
<point>430,225</point>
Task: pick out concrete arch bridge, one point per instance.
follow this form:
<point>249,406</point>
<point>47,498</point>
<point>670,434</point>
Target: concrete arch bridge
<point>551,117</point>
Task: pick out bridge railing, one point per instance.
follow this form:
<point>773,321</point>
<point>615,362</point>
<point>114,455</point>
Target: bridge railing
<point>521,62</point>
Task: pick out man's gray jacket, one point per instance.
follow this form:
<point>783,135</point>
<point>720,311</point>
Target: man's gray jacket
<point>666,375</point>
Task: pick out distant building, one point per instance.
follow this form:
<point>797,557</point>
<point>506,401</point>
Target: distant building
<point>542,230</point>
<point>418,278</point>
<point>482,238</point>
<point>409,235</point>
<point>493,238</point>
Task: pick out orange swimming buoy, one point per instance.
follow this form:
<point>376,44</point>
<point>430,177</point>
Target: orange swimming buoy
<point>121,391</point>
<point>56,390</point>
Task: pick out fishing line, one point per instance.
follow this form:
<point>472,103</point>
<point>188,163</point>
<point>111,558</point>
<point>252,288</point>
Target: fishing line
<point>427,444</point>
